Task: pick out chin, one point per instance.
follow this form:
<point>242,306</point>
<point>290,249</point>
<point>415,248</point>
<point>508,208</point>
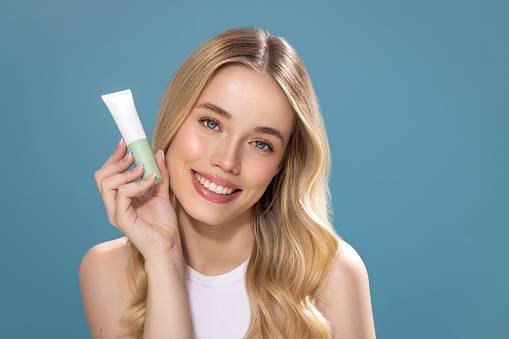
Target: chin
<point>207,215</point>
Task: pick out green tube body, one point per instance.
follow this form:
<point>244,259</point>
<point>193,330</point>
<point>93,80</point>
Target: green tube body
<point>143,155</point>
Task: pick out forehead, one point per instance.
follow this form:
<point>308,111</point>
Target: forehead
<point>251,98</point>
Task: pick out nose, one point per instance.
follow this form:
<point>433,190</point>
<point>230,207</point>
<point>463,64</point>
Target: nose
<point>226,155</point>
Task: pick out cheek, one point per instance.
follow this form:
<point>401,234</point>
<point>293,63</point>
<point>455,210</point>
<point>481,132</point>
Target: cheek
<point>186,146</point>
<point>190,143</point>
<point>262,172</point>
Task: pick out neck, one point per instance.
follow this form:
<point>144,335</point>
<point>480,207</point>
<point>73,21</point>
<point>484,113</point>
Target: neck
<point>216,249</point>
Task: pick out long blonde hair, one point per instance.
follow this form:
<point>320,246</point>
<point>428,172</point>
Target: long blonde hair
<point>295,243</point>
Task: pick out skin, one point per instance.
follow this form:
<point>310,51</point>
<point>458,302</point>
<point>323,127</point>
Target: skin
<point>219,236</point>
<point>212,238</point>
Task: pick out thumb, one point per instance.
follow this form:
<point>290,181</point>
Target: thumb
<point>162,189</point>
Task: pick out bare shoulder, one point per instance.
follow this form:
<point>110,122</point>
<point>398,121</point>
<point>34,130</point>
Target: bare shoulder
<point>348,263</point>
<point>347,272</point>
<point>104,287</point>
<point>103,260</point>
<point>344,297</point>
<point>106,249</point>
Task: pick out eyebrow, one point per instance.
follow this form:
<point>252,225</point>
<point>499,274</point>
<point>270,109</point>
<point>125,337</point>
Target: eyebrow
<point>269,130</point>
<point>227,115</point>
<point>216,109</point>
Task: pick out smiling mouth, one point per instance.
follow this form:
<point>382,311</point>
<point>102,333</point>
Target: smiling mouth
<point>213,187</point>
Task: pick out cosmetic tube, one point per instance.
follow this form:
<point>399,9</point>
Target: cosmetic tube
<point>121,106</point>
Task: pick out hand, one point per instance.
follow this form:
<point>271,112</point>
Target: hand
<point>148,220</point>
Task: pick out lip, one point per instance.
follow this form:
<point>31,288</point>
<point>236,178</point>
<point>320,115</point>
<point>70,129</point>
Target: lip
<point>217,180</point>
<point>211,196</point>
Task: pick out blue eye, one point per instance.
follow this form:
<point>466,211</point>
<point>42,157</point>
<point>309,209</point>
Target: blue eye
<point>263,146</point>
<point>210,123</point>
<point>260,144</point>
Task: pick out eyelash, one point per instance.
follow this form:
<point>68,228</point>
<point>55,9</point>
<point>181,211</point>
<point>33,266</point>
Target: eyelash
<point>202,120</point>
<point>269,146</point>
<point>206,119</point>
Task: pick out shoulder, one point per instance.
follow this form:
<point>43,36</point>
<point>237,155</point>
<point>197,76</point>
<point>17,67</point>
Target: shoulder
<point>347,274</point>
<point>101,258</point>
<point>348,266</point>
<point>344,297</point>
<point>104,287</point>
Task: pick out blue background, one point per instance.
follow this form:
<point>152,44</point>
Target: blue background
<point>415,95</point>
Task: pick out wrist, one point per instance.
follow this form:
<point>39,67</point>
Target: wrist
<point>170,262</point>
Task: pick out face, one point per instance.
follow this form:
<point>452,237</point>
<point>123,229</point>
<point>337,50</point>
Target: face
<point>230,146</point>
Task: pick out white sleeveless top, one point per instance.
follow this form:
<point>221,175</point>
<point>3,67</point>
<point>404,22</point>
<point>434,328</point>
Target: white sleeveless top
<point>219,304</point>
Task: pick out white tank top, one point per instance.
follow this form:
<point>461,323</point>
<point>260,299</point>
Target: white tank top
<point>219,304</point>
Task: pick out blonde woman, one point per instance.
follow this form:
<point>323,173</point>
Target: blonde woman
<point>235,241</point>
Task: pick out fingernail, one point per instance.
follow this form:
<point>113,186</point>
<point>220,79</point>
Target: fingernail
<point>128,156</point>
<point>162,153</point>
<point>120,143</point>
<point>138,168</point>
<point>150,177</point>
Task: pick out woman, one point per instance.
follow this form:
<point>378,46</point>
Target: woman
<point>235,241</point>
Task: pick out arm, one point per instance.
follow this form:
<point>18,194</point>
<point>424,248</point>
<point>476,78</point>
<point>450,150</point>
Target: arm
<point>344,298</point>
<point>167,312</point>
<point>150,222</point>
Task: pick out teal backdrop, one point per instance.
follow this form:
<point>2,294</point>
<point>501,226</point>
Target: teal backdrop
<point>415,96</point>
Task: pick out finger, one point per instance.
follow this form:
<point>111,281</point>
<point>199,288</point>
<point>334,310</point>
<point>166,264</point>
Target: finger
<point>113,169</point>
<point>162,189</point>
<point>118,154</point>
<point>124,212</point>
<point>115,157</point>
<point>110,186</point>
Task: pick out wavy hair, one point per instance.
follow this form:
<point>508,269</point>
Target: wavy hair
<point>295,243</point>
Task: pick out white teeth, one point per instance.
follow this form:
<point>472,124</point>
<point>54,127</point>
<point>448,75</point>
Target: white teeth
<point>206,183</point>
<point>212,186</point>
